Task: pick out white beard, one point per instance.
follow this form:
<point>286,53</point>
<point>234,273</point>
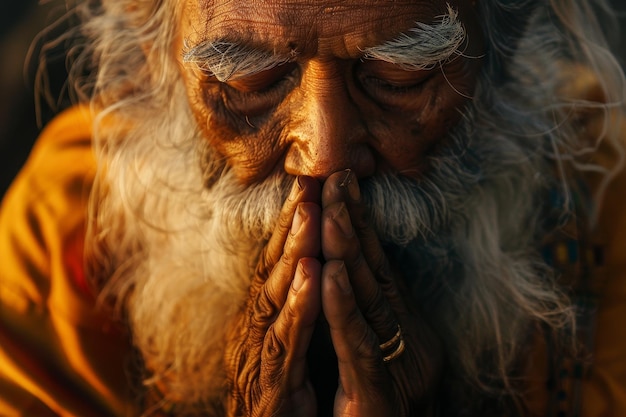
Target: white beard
<point>183,254</point>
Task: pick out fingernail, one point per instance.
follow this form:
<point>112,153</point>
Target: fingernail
<point>342,219</point>
<point>340,276</point>
<point>296,189</point>
<point>351,184</point>
<point>298,219</point>
<point>299,278</point>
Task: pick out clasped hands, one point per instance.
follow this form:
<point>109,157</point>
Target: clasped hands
<point>358,293</point>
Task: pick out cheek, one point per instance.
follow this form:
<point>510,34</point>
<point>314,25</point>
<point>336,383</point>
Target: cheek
<point>405,138</point>
<point>253,156</point>
<point>251,147</point>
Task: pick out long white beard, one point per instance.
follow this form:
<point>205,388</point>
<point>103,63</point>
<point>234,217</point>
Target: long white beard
<point>184,253</point>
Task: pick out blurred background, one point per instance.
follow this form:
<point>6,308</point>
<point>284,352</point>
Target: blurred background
<point>25,26</point>
<point>21,38</point>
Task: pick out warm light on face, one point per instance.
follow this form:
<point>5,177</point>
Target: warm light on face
<point>312,90</point>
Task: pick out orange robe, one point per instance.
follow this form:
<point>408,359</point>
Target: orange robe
<point>58,354</point>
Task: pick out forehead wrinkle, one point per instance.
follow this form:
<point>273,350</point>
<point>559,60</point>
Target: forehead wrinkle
<point>339,27</point>
<point>241,25</point>
<point>277,28</point>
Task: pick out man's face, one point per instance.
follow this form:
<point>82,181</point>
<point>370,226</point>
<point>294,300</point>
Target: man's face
<point>312,87</point>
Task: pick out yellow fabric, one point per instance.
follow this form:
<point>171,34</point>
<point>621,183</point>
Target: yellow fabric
<point>604,384</point>
<point>605,389</point>
<point>58,355</point>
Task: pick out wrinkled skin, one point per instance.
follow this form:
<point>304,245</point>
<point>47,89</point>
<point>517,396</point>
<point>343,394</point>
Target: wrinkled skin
<point>357,293</point>
<point>329,109</point>
<point>326,111</point>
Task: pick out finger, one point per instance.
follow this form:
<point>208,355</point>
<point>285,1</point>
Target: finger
<point>344,187</point>
<point>356,345</point>
<point>339,242</point>
<point>283,359</point>
<point>303,242</point>
<point>304,189</point>
<point>338,187</point>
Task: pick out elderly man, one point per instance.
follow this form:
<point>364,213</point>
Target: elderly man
<point>312,207</point>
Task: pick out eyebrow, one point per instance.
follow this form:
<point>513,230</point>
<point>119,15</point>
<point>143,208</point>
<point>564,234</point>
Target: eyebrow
<point>227,60</point>
<point>423,47</point>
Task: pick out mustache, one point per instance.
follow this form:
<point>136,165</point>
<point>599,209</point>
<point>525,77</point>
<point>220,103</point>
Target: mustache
<point>400,209</point>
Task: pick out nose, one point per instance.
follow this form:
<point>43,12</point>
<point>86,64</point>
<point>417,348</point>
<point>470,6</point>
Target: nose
<point>327,132</point>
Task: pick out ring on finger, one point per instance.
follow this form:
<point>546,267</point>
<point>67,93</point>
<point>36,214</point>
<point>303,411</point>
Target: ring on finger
<point>396,352</point>
<point>398,341</point>
<point>393,341</point>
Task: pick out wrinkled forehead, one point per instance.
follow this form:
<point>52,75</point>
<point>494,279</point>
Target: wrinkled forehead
<point>307,25</point>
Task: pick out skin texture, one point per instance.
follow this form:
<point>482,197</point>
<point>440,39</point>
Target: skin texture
<point>330,118</point>
<point>329,110</point>
<point>358,293</point>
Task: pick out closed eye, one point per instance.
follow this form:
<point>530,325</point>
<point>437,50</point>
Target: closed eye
<point>257,94</point>
<point>389,84</point>
<point>264,80</point>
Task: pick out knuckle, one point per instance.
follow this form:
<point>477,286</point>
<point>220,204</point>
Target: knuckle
<point>287,259</point>
<point>241,376</point>
<point>254,371</point>
<point>264,310</point>
<point>272,359</point>
<point>273,347</point>
<point>358,261</point>
<point>284,222</point>
<point>364,340</point>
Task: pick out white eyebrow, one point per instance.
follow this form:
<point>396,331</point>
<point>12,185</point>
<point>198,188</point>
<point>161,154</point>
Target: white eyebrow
<point>228,60</point>
<point>425,46</point>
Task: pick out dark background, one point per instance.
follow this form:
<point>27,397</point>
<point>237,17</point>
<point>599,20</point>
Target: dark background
<point>21,22</point>
<point>24,27</point>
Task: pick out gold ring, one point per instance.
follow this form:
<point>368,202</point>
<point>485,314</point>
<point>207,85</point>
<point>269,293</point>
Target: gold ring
<point>389,343</point>
<point>395,353</point>
<point>396,341</point>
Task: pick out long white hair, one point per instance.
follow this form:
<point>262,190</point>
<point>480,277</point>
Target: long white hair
<point>173,238</point>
